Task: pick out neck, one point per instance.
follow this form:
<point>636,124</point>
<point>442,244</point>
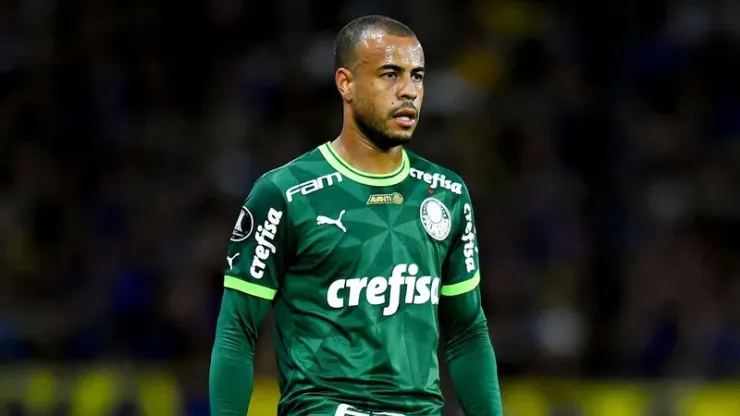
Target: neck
<point>360,152</point>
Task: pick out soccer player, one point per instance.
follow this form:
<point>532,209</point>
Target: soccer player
<point>360,247</point>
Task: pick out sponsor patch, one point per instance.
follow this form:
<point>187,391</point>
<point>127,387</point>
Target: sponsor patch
<point>265,238</point>
<point>385,199</point>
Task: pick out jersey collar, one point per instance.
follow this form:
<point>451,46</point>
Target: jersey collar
<point>365,178</point>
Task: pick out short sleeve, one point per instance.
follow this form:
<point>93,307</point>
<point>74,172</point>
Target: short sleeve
<point>461,272</point>
<point>258,243</point>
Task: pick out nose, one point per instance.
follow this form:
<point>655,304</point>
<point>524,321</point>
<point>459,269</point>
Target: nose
<point>407,89</point>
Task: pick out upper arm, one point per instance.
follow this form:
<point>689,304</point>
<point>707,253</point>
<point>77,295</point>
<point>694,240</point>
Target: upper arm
<point>460,308</point>
<point>259,243</point>
<point>461,270</point>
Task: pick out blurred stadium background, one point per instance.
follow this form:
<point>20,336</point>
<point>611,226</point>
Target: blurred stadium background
<point>599,140</point>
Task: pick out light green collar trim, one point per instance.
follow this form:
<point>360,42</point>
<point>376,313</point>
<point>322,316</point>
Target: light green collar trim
<point>365,178</point>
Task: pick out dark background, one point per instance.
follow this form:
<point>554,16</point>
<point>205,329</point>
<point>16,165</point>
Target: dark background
<point>599,140</point>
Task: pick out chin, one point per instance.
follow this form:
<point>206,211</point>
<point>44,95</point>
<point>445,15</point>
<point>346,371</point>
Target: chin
<point>401,138</point>
<point>399,135</point>
<point>391,140</point>
<point>385,136</point>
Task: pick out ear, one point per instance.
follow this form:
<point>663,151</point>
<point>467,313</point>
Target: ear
<point>344,80</point>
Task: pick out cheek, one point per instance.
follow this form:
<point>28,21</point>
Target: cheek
<point>365,108</point>
<point>373,99</point>
<point>365,93</point>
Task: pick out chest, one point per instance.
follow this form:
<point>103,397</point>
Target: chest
<point>361,230</point>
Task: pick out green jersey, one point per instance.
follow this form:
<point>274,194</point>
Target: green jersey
<point>355,265</point>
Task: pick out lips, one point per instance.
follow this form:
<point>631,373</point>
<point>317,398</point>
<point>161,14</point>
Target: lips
<point>405,117</point>
<point>405,112</point>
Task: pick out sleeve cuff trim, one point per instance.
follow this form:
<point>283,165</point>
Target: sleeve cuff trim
<point>461,287</point>
<point>235,283</point>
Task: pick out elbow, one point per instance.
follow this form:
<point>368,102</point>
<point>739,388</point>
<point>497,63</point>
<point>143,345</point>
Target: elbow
<point>474,335</point>
<point>235,333</point>
<point>233,343</point>
<point>475,330</point>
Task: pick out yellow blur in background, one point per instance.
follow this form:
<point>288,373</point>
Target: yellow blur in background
<point>102,391</point>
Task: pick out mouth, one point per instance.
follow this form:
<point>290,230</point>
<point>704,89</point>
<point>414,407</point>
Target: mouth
<point>405,117</point>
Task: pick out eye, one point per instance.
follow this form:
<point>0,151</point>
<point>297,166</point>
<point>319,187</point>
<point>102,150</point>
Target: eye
<point>418,76</point>
<point>388,75</point>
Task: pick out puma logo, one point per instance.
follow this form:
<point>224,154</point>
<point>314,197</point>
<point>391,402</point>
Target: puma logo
<point>322,220</point>
<point>231,260</point>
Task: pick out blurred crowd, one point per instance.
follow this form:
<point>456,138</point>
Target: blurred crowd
<point>599,141</point>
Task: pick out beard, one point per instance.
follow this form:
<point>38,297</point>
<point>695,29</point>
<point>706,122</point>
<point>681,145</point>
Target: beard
<point>375,129</point>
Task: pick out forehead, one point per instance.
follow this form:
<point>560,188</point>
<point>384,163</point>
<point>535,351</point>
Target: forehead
<point>378,48</point>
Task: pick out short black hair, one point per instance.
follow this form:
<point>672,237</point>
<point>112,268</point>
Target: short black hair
<point>352,33</point>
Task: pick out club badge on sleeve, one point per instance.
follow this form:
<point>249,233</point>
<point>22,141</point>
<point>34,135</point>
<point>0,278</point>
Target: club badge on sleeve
<point>435,217</point>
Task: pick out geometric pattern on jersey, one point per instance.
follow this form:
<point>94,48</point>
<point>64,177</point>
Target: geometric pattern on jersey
<point>355,265</point>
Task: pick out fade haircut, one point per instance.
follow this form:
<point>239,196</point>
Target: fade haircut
<point>355,31</point>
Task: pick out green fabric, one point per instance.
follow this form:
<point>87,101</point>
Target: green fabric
<point>232,361</point>
<point>355,266</point>
<point>470,356</point>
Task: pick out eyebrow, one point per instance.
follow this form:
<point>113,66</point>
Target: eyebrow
<point>400,69</point>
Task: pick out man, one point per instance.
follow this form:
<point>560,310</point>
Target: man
<point>359,246</point>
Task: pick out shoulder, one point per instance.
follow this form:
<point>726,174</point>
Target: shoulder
<point>302,176</point>
<point>436,175</point>
<point>285,179</point>
<point>271,192</point>
<point>285,176</point>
